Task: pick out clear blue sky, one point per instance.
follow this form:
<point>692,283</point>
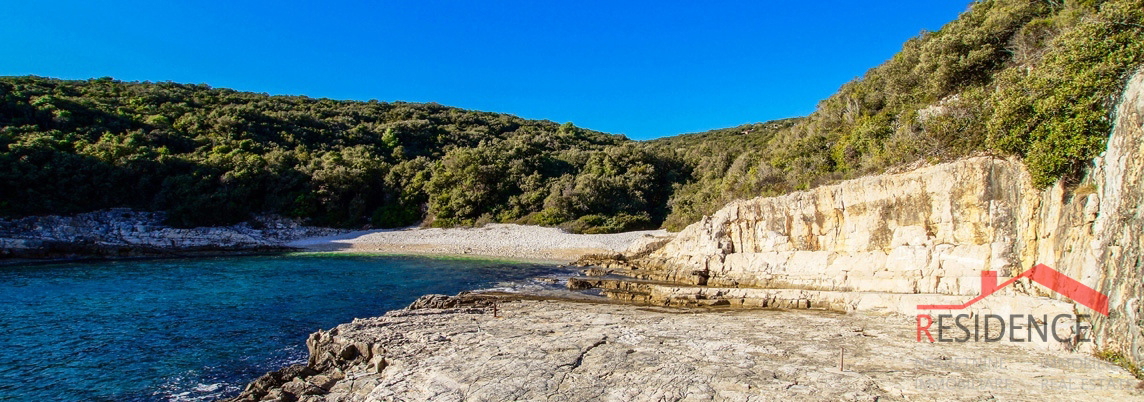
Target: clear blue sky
<point>646,69</point>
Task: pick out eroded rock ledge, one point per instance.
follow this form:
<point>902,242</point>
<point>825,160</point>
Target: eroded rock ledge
<point>450,349</point>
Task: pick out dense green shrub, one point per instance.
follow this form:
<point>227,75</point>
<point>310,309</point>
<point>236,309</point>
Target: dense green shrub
<point>1029,78</point>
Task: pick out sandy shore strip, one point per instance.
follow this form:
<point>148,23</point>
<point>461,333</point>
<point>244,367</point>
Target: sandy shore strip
<point>532,243</point>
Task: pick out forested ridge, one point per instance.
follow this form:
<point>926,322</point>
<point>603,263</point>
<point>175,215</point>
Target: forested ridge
<point>1034,79</point>
<point>215,156</point>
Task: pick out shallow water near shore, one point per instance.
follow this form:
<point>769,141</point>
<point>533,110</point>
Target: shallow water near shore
<point>200,329</point>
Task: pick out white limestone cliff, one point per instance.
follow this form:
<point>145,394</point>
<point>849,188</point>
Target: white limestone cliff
<point>932,231</point>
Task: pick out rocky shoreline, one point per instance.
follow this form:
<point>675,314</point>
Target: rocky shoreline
<point>125,233</point>
<point>498,347</point>
<point>857,259</point>
<point>117,233</point>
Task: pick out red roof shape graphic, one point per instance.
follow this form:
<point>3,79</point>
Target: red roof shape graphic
<point>1043,275</point>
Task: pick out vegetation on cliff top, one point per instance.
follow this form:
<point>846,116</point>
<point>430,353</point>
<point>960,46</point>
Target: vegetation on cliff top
<point>1031,78</point>
<point>1036,79</point>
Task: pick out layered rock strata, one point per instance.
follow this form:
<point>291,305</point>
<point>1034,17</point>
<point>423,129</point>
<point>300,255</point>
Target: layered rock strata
<point>894,241</point>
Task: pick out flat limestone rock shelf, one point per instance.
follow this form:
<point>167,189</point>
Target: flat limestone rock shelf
<point>562,350</point>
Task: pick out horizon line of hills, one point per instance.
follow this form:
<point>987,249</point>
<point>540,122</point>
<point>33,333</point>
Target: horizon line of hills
<point>205,85</point>
<point>1032,79</point>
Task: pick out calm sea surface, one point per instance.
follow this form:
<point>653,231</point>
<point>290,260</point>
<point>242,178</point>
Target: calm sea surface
<point>198,329</point>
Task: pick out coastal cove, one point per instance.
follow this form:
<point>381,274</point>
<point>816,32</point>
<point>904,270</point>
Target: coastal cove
<point>200,329</point>
<point>277,203</point>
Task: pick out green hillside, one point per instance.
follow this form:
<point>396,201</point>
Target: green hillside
<point>723,165</point>
<point>215,156</point>
<point>1035,79</point>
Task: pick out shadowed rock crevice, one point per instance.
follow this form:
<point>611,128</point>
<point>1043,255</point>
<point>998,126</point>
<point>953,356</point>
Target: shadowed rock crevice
<point>580,359</point>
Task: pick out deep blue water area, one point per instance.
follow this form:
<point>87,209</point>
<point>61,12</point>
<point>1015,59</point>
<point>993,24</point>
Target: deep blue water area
<point>199,329</point>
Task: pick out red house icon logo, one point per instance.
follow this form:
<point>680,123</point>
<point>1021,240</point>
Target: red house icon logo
<point>1043,275</point>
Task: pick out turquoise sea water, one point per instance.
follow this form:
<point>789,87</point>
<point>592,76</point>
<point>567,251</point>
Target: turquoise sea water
<point>198,329</point>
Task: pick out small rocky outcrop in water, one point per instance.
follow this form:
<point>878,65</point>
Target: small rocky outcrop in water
<point>563,350</point>
<point>123,232</point>
<point>462,300</point>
